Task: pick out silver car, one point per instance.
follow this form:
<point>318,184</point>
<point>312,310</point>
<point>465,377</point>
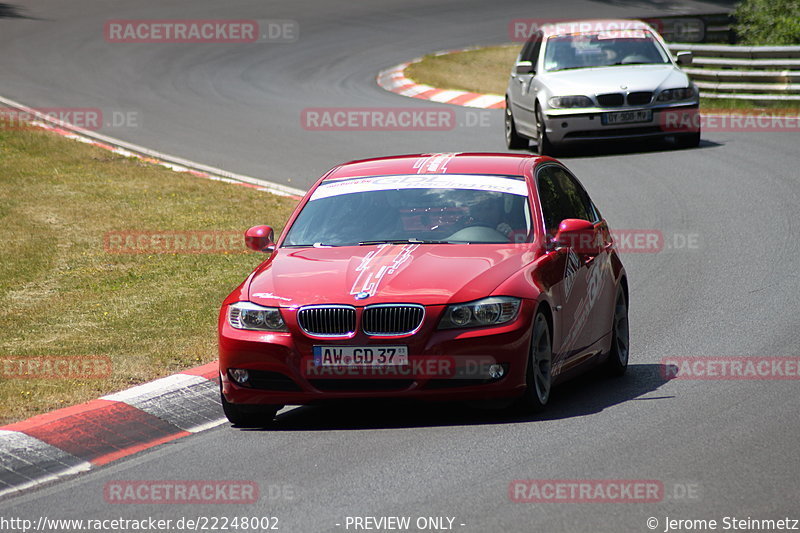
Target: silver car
<point>599,79</point>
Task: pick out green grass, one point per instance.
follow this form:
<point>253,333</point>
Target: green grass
<point>482,71</point>
<point>768,22</point>
<point>62,294</point>
<point>486,71</point>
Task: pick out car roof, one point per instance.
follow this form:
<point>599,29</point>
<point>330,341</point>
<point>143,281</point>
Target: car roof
<point>592,25</point>
<point>438,163</point>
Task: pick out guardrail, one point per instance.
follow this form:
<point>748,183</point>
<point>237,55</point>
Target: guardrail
<point>695,28</point>
<point>756,73</point>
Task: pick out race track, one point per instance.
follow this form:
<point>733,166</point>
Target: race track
<point>734,293</point>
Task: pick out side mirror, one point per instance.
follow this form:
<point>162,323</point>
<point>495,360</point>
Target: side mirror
<point>684,58</point>
<point>260,239</point>
<point>524,67</point>
<point>578,234</point>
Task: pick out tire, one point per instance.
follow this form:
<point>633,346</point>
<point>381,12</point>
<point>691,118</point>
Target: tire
<point>618,355</point>
<point>543,144</point>
<point>249,416</point>
<point>688,140</point>
<point>538,375</point>
<point>514,141</point>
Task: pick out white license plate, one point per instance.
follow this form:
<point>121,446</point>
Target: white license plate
<point>627,117</point>
<point>360,356</point>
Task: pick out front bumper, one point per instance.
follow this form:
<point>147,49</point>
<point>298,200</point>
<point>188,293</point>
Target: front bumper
<point>571,125</point>
<point>282,371</point>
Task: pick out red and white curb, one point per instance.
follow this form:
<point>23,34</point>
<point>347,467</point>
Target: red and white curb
<point>78,438</point>
<point>395,80</point>
<point>127,149</point>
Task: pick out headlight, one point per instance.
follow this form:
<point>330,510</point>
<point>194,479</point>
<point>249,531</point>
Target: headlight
<point>571,101</point>
<point>672,95</point>
<point>247,315</point>
<point>487,312</point>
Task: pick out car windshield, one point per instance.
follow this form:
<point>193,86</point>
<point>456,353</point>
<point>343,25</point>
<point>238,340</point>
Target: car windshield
<point>603,49</point>
<point>414,208</point>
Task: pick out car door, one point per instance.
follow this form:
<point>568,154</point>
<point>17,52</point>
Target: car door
<point>598,302</point>
<point>562,197</point>
<point>521,98</point>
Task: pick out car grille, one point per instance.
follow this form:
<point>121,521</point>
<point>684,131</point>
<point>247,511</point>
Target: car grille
<point>611,99</point>
<point>640,98</point>
<point>328,320</point>
<point>392,319</point>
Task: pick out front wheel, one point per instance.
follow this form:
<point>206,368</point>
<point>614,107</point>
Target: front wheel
<point>249,416</point>
<point>514,140</point>
<point>617,362</point>
<point>544,146</point>
<point>539,376</point>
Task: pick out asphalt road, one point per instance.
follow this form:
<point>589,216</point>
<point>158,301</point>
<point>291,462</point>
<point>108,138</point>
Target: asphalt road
<point>721,448</point>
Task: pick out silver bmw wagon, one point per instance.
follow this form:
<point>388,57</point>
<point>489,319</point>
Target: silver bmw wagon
<point>599,80</point>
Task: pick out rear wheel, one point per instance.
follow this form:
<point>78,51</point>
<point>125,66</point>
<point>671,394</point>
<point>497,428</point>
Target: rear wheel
<point>617,362</point>
<point>544,146</point>
<point>538,377</point>
<point>249,416</point>
<point>514,140</point>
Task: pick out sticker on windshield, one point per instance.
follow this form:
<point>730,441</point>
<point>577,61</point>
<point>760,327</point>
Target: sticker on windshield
<point>622,34</point>
<point>416,181</point>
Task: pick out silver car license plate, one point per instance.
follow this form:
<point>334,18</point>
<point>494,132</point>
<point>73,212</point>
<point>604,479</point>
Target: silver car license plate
<point>627,117</point>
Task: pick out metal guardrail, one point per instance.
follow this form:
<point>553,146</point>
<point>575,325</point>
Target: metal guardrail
<point>695,28</point>
<point>757,73</point>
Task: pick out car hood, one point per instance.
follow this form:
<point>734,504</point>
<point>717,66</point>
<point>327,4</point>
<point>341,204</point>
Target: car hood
<point>426,274</point>
<point>611,79</point>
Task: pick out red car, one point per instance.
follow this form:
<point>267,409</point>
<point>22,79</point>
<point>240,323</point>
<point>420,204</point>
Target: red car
<point>437,277</point>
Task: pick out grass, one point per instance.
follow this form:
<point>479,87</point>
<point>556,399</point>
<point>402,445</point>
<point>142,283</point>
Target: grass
<point>482,71</point>
<point>62,294</point>
<point>486,70</point>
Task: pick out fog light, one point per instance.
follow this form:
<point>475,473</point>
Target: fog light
<point>239,375</point>
<point>564,125</point>
<point>496,371</point>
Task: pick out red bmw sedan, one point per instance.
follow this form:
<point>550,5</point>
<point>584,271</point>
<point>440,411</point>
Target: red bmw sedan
<point>448,276</point>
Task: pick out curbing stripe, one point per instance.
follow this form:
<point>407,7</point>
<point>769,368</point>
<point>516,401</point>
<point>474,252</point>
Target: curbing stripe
<point>26,462</point>
<point>99,431</point>
<point>127,149</point>
<point>394,80</point>
<point>76,439</point>
<point>190,403</point>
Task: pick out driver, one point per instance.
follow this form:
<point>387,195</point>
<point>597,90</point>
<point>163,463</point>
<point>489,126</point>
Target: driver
<point>490,212</point>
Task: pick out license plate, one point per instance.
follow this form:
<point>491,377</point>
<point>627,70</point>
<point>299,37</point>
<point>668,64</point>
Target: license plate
<point>370,356</point>
<point>627,117</point>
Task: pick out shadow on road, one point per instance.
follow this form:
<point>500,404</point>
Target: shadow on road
<point>10,11</point>
<point>609,148</point>
<point>583,396</point>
